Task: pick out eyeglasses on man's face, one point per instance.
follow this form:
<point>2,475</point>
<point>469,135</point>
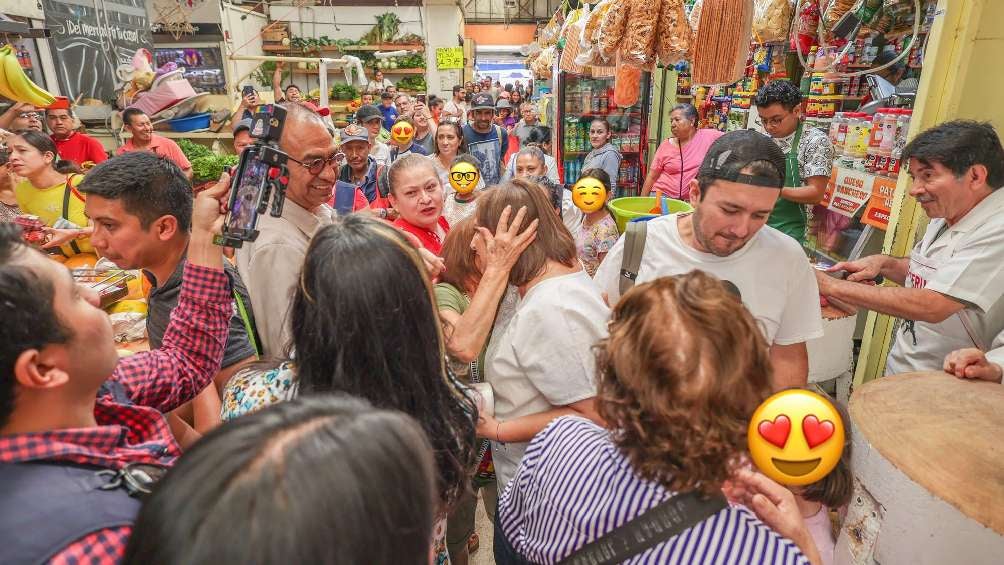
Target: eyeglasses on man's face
<point>315,166</point>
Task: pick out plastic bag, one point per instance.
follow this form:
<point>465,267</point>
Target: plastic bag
<point>627,85</point>
<point>695,14</point>
<point>612,28</point>
<point>834,10</point>
<point>572,35</point>
<point>674,34</point>
<point>542,65</point>
<point>549,34</point>
<point>638,44</point>
<point>772,20</point>
<point>803,34</point>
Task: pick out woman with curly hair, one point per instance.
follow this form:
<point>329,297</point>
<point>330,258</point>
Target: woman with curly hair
<point>678,378</point>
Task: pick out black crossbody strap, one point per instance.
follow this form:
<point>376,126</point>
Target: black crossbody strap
<point>634,248</point>
<point>668,519</point>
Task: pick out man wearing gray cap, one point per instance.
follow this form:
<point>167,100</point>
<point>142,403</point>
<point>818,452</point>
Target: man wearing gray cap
<point>726,235</point>
<point>370,117</point>
<point>486,141</point>
<point>361,169</point>
<point>242,135</point>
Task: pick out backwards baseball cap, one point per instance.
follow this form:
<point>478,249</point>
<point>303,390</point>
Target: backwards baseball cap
<point>367,113</point>
<point>354,132</point>
<point>734,151</point>
<point>482,101</point>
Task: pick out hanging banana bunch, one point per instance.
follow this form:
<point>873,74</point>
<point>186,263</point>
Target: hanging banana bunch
<point>15,84</point>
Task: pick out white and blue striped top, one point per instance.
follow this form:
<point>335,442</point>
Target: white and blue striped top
<point>574,485</point>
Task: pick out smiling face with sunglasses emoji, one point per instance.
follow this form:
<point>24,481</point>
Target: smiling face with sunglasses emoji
<point>464,177</point>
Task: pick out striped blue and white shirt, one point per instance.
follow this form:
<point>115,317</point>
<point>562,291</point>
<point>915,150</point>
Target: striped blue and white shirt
<point>574,485</point>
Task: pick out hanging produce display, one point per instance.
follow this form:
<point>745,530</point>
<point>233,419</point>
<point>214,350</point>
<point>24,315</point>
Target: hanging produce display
<point>722,44</point>
<point>15,84</point>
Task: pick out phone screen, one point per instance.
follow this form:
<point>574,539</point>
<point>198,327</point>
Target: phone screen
<point>421,98</point>
<point>248,90</point>
<point>244,200</point>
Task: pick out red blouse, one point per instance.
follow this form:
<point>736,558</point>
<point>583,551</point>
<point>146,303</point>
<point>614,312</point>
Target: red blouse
<point>430,239</point>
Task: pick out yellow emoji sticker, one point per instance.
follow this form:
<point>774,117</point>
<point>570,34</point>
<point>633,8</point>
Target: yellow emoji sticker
<point>402,132</point>
<point>464,177</point>
<point>796,437</point>
<point>589,194</point>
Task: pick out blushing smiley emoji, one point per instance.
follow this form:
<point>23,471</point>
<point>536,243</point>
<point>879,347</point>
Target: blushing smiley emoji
<point>589,194</point>
<point>796,437</point>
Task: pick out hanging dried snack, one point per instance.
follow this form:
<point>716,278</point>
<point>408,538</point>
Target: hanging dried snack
<point>695,14</point>
<point>572,33</point>
<point>772,20</point>
<point>549,34</point>
<point>627,85</point>
<point>596,18</point>
<point>638,45</point>
<point>674,35</point>
<point>835,10</point>
<point>542,66</point>
<point>613,26</point>
<point>722,45</point>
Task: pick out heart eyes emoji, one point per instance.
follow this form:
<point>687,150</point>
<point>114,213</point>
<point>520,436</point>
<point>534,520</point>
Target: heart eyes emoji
<point>776,433</point>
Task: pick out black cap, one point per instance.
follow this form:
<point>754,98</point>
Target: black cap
<point>367,113</point>
<point>734,151</point>
<point>482,101</point>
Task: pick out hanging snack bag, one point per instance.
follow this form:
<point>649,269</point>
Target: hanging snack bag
<point>638,47</point>
<point>695,14</point>
<point>722,44</point>
<point>674,35</point>
<point>627,85</point>
<point>613,27</point>
<point>772,20</point>
<point>804,36</point>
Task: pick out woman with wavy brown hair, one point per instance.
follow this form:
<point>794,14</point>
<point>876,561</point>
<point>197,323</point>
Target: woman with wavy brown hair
<point>678,378</point>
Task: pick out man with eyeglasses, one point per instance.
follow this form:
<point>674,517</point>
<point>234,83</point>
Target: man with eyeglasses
<point>808,151</point>
<point>270,265</point>
<point>21,116</point>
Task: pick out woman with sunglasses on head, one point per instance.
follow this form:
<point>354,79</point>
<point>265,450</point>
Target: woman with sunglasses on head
<point>363,322</point>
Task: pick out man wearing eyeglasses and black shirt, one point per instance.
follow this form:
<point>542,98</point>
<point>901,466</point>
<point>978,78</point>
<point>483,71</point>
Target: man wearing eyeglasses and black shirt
<point>271,264</point>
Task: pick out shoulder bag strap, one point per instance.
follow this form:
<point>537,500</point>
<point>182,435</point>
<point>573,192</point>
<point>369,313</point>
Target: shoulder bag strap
<point>634,247</point>
<point>66,207</point>
<point>644,532</point>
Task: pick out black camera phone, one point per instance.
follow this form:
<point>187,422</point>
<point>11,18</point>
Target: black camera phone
<point>260,172</point>
<point>248,91</point>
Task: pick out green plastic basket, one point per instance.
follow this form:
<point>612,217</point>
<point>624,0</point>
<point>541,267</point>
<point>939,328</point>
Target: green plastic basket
<point>630,207</point>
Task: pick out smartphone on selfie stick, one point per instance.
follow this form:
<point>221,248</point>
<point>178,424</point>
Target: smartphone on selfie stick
<point>261,174</point>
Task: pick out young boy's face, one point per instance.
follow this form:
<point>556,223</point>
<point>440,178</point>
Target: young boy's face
<point>367,99</point>
<point>387,102</point>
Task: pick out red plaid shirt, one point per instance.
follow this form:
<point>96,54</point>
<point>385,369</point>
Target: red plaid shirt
<point>156,382</point>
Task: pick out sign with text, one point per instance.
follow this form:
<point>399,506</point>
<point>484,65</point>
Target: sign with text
<point>847,191</point>
<point>449,58</point>
<point>91,39</point>
<point>880,204</point>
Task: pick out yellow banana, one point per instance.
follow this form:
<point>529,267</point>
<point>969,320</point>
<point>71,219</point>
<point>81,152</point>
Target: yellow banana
<point>20,85</point>
<point>5,90</point>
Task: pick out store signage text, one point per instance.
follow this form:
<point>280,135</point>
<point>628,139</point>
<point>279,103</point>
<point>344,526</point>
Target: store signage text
<point>114,32</point>
<point>449,58</point>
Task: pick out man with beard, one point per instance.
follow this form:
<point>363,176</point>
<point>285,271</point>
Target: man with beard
<point>726,235</point>
<point>485,140</point>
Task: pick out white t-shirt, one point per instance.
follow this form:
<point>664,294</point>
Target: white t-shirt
<point>774,277</point>
<point>381,152</point>
<point>964,262</point>
<point>456,109</point>
<point>543,358</point>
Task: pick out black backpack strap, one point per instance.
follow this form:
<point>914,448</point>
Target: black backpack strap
<point>657,525</point>
<point>46,506</point>
<point>634,248</point>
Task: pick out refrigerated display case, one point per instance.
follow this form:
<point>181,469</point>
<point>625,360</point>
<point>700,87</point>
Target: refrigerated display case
<point>204,65</point>
<point>582,98</point>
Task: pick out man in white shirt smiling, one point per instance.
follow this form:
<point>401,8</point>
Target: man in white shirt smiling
<point>727,236</point>
<point>953,282</point>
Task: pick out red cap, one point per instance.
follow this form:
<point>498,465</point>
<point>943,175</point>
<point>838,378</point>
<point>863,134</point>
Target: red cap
<point>61,103</point>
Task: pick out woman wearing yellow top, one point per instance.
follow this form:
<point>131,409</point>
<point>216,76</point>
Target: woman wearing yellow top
<point>49,189</point>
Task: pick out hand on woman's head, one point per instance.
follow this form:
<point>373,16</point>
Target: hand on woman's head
<point>502,249</point>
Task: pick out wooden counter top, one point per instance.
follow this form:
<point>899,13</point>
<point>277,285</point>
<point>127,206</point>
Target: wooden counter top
<point>942,432</point>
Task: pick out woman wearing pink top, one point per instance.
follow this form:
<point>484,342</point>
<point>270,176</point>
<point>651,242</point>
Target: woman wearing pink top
<point>678,158</point>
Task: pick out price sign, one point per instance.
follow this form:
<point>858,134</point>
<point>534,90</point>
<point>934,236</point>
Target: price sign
<point>880,205</point>
<point>850,191</point>
<point>449,58</point>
